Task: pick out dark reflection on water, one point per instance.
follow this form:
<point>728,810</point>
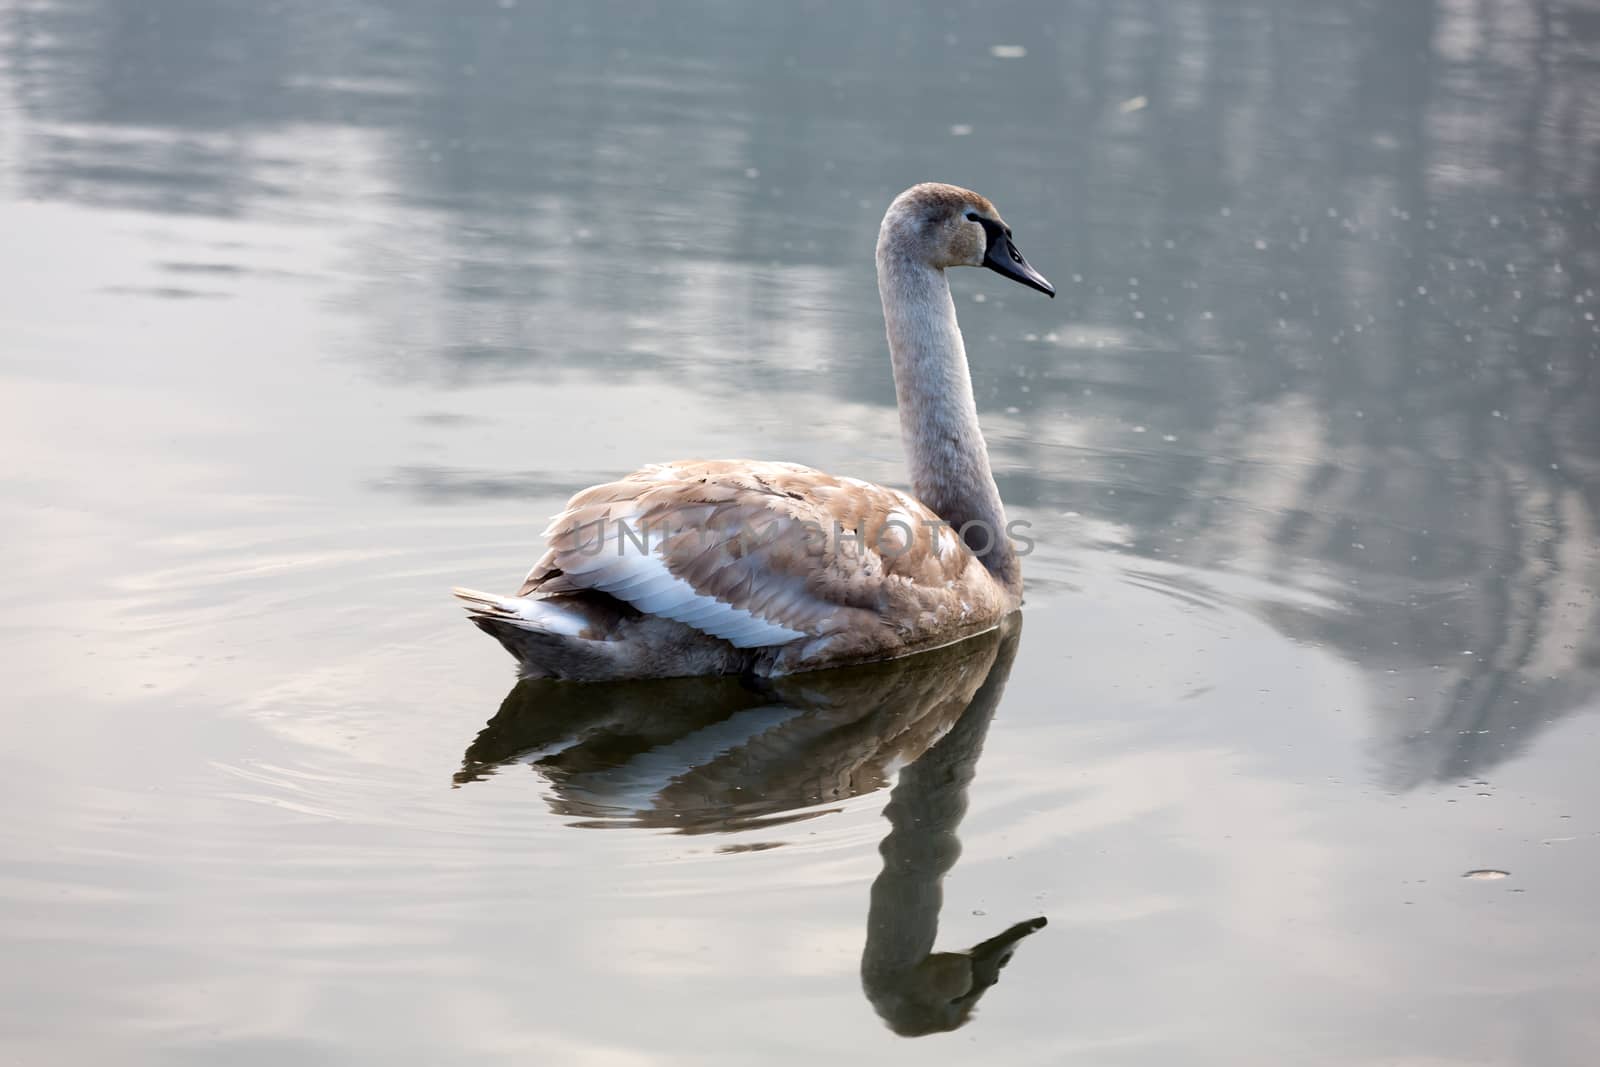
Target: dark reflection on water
<point>718,755</point>
<point>704,755</point>
<point>915,989</point>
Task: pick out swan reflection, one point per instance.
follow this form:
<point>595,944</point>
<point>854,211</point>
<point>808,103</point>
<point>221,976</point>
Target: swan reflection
<point>711,755</point>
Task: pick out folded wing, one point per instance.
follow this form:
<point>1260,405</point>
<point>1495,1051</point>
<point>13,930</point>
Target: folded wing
<point>759,554</point>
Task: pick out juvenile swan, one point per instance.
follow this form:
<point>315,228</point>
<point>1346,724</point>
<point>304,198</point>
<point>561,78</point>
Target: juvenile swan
<point>724,566</point>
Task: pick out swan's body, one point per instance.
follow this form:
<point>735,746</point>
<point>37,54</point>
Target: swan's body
<point>716,567</point>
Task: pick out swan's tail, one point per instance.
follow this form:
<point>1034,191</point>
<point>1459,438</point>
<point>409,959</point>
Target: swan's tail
<point>547,616</point>
<point>548,638</point>
<point>594,637</point>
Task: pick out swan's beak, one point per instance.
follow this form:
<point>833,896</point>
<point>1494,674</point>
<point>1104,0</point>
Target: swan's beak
<point>1003,258</point>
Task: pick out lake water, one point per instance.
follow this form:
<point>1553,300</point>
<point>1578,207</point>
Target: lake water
<point>311,310</point>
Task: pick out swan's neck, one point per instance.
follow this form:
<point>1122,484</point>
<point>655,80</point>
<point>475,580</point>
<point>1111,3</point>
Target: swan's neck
<point>938,418</point>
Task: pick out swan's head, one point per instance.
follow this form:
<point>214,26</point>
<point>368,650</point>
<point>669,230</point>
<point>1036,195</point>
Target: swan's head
<point>948,226</point>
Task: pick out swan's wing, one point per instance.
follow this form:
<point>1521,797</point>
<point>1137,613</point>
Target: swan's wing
<point>759,554</point>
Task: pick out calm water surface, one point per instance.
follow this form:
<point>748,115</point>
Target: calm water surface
<point>309,311</point>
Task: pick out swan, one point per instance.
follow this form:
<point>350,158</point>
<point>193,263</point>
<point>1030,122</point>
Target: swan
<point>700,567</point>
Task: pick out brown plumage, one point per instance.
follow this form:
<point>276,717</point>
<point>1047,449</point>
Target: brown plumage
<point>721,566</point>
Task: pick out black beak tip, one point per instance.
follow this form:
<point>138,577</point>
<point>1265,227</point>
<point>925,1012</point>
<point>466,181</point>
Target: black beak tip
<point>1003,258</point>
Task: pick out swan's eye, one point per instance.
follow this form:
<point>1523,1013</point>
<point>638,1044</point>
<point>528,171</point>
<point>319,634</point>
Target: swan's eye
<point>972,216</point>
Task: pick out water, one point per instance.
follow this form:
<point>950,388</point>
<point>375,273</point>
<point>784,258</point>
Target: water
<point>310,311</point>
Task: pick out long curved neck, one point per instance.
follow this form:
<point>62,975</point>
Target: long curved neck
<point>949,460</point>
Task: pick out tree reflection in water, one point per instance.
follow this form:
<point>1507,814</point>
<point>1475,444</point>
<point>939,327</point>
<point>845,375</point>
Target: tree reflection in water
<point>1345,256</point>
